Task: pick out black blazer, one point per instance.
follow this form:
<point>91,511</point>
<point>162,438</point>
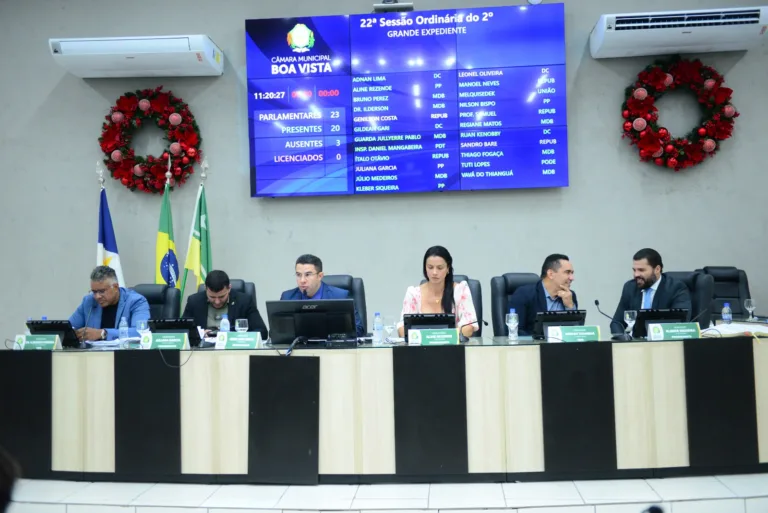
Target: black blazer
<point>671,293</point>
<point>240,307</point>
<point>527,301</point>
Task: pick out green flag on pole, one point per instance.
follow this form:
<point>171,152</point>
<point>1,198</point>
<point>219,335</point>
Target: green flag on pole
<point>199,260</point>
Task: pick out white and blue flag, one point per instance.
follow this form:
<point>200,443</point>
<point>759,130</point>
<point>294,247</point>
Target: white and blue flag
<point>106,249</point>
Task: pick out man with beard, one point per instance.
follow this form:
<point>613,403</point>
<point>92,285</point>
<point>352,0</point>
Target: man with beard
<point>650,289</point>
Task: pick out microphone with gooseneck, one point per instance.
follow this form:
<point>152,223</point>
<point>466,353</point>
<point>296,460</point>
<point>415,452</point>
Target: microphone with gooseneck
<point>700,314</point>
<point>616,336</point>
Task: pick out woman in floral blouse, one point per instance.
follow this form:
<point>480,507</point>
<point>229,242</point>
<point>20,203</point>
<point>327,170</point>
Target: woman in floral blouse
<point>439,294</point>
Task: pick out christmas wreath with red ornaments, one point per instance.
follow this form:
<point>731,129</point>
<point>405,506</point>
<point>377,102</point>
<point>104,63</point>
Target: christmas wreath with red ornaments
<point>169,113</point>
<point>641,116</point>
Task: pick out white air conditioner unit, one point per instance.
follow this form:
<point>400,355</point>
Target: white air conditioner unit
<point>664,33</point>
<point>159,56</point>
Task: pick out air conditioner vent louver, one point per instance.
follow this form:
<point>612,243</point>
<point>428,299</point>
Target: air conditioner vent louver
<point>689,19</point>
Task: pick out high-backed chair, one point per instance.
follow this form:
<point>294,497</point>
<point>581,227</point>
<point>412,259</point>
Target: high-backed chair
<point>502,288</point>
<point>356,289</point>
<point>701,287</point>
<point>240,286</point>
<point>476,291</point>
<point>164,301</point>
<point>731,286</point>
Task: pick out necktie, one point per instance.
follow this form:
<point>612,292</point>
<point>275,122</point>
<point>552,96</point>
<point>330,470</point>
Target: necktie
<point>647,299</point>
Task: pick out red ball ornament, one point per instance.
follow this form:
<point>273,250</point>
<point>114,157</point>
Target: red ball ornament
<point>177,170</point>
<point>175,119</point>
<point>659,162</point>
<point>672,163</point>
<point>627,126</point>
<point>192,152</point>
<point>709,145</point>
<point>639,124</point>
<point>643,133</point>
<point>663,132</point>
<point>669,80</point>
<point>729,111</point>
<point>117,117</point>
<point>144,105</point>
<point>125,181</point>
<point>185,161</point>
<point>640,93</point>
<point>709,84</point>
<point>138,170</point>
<point>669,148</point>
<point>643,154</point>
<point>648,117</point>
<point>175,148</point>
<point>116,156</point>
<point>702,131</point>
<point>625,114</point>
<point>165,155</point>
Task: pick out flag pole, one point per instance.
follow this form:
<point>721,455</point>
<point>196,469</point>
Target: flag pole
<point>203,176</point>
<point>100,172</point>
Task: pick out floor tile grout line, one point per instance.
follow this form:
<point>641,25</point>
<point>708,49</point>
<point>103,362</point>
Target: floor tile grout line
<point>580,495</point>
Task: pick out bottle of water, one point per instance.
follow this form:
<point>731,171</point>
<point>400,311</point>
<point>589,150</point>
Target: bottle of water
<point>378,330</point>
<point>122,329</point>
<point>726,314</point>
<point>224,326</point>
<point>512,322</point>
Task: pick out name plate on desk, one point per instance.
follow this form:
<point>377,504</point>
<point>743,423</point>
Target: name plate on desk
<point>674,331</point>
<point>573,334</point>
<point>165,341</point>
<point>37,343</point>
<point>235,340</point>
<point>444,337</point>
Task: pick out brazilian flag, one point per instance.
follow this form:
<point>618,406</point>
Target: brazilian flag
<point>166,264</point>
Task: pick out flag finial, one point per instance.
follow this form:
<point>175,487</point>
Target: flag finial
<point>204,166</point>
<point>100,172</point>
<point>168,173</point>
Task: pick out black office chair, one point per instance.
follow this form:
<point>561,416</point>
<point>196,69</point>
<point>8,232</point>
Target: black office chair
<point>701,287</point>
<point>240,286</point>
<point>731,286</point>
<point>476,291</point>
<point>356,289</point>
<point>502,288</point>
<point>164,301</point>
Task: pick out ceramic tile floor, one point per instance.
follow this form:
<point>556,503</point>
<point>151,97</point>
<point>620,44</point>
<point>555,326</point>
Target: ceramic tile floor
<point>721,494</point>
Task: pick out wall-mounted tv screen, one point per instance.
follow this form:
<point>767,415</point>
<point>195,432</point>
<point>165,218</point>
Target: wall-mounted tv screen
<point>447,100</point>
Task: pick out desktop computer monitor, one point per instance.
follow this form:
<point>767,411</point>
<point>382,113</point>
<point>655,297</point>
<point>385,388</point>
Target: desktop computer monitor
<point>657,316</point>
<point>314,320</point>
<point>436,321</point>
<point>559,318</point>
<point>63,329</point>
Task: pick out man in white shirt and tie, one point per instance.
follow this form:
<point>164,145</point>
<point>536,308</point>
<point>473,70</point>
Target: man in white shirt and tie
<point>649,289</point>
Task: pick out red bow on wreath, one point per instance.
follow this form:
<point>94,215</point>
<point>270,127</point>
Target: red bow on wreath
<point>655,143</point>
<point>169,113</point>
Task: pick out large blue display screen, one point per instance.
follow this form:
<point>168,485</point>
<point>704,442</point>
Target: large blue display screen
<point>447,100</point>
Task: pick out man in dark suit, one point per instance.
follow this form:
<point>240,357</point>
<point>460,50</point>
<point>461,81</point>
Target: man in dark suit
<point>207,307</point>
<point>650,289</point>
<point>309,278</point>
<point>551,293</point>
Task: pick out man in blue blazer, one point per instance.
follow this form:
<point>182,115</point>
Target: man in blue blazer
<point>309,278</point>
<point>650,288</point>
<point>98,316</point>
<point>551,293</point>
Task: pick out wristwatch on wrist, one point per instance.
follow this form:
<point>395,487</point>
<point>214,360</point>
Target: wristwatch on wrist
<point>103,334</point>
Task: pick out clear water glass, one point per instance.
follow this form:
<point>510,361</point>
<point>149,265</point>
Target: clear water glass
<point>241,325</point>
<point>750,306</point>
<point>630,317</point>
<point>142,327</point>
<point>390,328</point>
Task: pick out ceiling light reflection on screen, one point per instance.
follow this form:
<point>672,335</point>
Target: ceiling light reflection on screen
<point>417,103</point>
<point>450,61</point>
<point>411,62</point>
<point>355,61</point>
<point>382,62</point>
<point>416,90</point>
<point>336,62</point>
<point>531,97</point>
<point>420,62</point>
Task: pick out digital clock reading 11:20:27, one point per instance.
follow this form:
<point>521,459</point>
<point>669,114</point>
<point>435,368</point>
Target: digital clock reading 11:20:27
<point>269,95</point>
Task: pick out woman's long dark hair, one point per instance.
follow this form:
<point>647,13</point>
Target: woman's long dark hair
<point>440,251</point>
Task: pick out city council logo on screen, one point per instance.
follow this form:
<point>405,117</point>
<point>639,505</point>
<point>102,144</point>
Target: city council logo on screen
<point>301,38</point>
